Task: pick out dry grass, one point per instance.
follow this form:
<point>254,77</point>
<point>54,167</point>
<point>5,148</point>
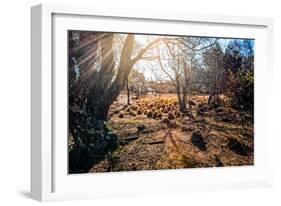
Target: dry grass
<point>170,145</point>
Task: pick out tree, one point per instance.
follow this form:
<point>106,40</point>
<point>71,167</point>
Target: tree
<point>194,49</point>
<point>215,73</point>
<point>177,59</point>
<point>95,81</point>
<point>172,63</point>
<point>136,83</point>
<point>239,62</point>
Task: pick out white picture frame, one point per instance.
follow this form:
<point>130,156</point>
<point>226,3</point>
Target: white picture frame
<point>49,179</point>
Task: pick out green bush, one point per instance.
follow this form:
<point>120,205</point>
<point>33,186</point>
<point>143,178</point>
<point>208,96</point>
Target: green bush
<point>241,87</point>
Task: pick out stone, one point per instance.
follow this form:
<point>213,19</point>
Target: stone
<point>198,140</point>
<point>110,136</point>
<point>172,124</point>
<point>191,103</point>
<point>218,110</point>
<point>202,109</point>
<point>215,102</point>
<point>237,147</point>
<point>132,114</point>
<point>141,128</point>
<point>166,120</point>
<point>171,116</point>
<point>134,107</point>
<point>149,114</point>
<point>186,128</point>
<point>201,120</point>
<point>159,116</point>
<point>226,119</point>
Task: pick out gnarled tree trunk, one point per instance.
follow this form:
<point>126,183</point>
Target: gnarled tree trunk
<point>91,90</point>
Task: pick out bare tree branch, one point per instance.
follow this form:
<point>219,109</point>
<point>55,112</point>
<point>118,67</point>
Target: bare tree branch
<point>149,46</point>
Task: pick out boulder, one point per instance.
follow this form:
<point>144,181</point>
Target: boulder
<point>237,147</point>
<point>149,114</point>
<point>219,110</point>
<point>215,102</point>
<point>171,116</point>
<point>186,128</point>
<point>172,124</point>
<point>202,109</point>
<point>101,141</point>
<point>198,141</point>
<point>166,120</point>
<point>191,103</point>
<point>230,118</point>
<point>201,120</point>
<point>159,116</point>
<point>141,128</point>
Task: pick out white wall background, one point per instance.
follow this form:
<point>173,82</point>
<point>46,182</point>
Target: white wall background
<point>15,101</point>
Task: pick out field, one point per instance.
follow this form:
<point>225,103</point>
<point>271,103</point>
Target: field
<point>154,135</point>
<point>150,102</point>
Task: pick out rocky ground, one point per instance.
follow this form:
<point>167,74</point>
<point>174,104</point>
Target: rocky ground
<point>153,135</point>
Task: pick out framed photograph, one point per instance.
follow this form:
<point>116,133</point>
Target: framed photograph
<point>137,102</point>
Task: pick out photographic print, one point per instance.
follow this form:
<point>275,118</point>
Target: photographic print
<point>149,102</point>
